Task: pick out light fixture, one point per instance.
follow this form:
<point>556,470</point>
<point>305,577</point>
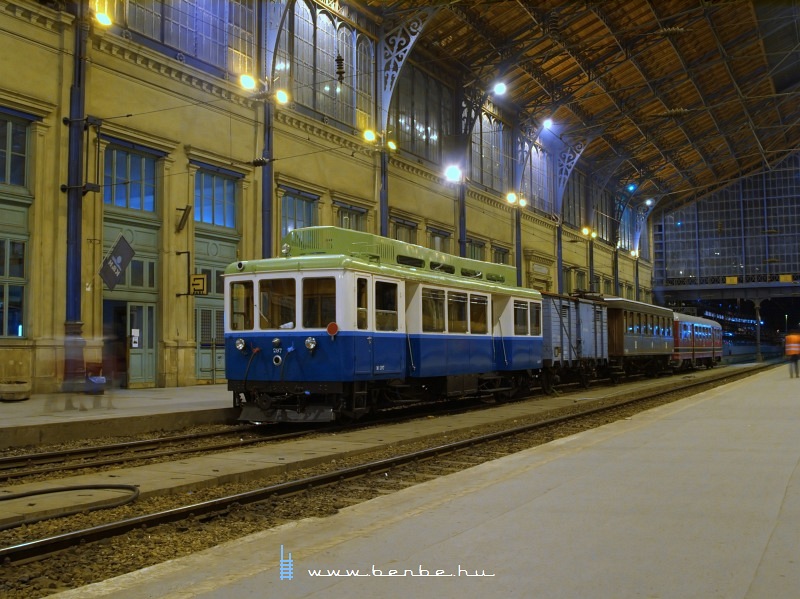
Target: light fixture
<point>635,253</point>
<point>500,88</point>
<point>281,96</point>
<point>247,81</point>
<point>372,137</point>
<point>250,83</point>
<point>548,124</point>
<point>453,173</point>
<point>103,19</point>
<point>631,186</point>
<point>99,8</point>
<point>648,202</point>
<point>513,198</point>
<point>588,232</point>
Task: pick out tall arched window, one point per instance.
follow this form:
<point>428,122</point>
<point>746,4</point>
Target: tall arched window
<point>326,65</point>
<point>303,55</point>
<point>535,178</point>
<point>345,100</point>
<point>364,74</point>
<point>491,153</point>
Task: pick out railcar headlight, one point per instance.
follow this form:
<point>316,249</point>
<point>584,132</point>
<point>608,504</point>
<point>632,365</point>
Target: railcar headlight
<point>239,344</point>
<point>311,343</point>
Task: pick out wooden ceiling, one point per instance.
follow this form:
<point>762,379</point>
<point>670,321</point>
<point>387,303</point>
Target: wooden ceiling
<point>680,97</point>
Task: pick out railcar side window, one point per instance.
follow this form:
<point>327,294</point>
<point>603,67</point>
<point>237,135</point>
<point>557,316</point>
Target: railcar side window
<point>277,303</point>
<point>362,305</point>
<point>536,319</point>
<point>385,306</point>
<point>456,312</point>
<point>241,316</point>
<point>520,317</point>
<point>319,302</point>
<point>478,314</point>
<point>432,310</point>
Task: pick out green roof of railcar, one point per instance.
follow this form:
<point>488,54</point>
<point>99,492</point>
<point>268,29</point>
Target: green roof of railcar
<point>330,247</point>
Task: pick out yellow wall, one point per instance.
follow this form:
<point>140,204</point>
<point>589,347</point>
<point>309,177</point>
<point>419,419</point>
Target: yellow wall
<point>155,100</point>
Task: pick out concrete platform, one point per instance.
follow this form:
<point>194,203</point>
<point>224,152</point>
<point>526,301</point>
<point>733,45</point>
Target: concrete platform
<point>61,417</point>
<point>697,499</point>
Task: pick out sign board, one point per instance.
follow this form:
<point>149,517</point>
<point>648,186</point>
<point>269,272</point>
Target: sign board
<point>112,271</point>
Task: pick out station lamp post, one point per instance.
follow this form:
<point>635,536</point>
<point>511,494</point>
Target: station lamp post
<point>635,256</point>
<point>590,236</point>
<point>519,203</point>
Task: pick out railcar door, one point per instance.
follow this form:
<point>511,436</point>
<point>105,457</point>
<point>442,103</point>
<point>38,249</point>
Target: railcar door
<point>388,344</point>
<point>363,337</point>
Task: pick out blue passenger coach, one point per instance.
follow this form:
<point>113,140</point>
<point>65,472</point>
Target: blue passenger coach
<point>346,323</point>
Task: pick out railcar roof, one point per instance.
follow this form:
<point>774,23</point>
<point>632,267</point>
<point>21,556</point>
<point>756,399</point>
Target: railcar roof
<point>324,248</point>
<point>679,316</point>
<point>621,303</point>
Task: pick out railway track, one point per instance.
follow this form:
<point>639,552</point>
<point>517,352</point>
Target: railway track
<point>115,454</point>
<point>438,459</point>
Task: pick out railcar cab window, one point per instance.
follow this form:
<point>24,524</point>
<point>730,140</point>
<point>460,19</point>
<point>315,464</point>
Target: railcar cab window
<point>385,306</point>
<point>277,303</point>
<point>319,302</point>
<point>527,318</point>
<point>536,319</point>
<point>241,306</point>
<point>520,317</point>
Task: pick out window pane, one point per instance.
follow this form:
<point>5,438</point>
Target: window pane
<point>149,184</point>
<point>478,314</point>
<point>385,306</point>
<point>432,310</point>
<point>520,317</point>
<point>16,259</point>
<point>241,316</point>
<point>16,301</point>
<point>536,319</point>
<point>362,304</point>
<point>2,257</point>
<point>457,312</point>
<point>277,304</point>
<point>120,175</point>
<point>137,273</point>
<point>319,302</point>
<point>136,183</point>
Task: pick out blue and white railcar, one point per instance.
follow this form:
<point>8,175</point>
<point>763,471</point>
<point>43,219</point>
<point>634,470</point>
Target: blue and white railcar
<point>347,322</point>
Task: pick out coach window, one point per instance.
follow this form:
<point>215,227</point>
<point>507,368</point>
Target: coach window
<point>319,302</point>
<point>277,303</point>
<point>241,306</point>
<point>536,318</point>
<point>520,317</point>
<point>432,310</point>
<point>385,306</point>
<point>456,312</point>
<point>362,303</point>
<point>478,314</point>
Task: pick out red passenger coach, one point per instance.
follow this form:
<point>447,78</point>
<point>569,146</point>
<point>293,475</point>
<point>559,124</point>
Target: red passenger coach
<point>698,342</point>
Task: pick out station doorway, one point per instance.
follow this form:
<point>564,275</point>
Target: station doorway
<point>129,358</point>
